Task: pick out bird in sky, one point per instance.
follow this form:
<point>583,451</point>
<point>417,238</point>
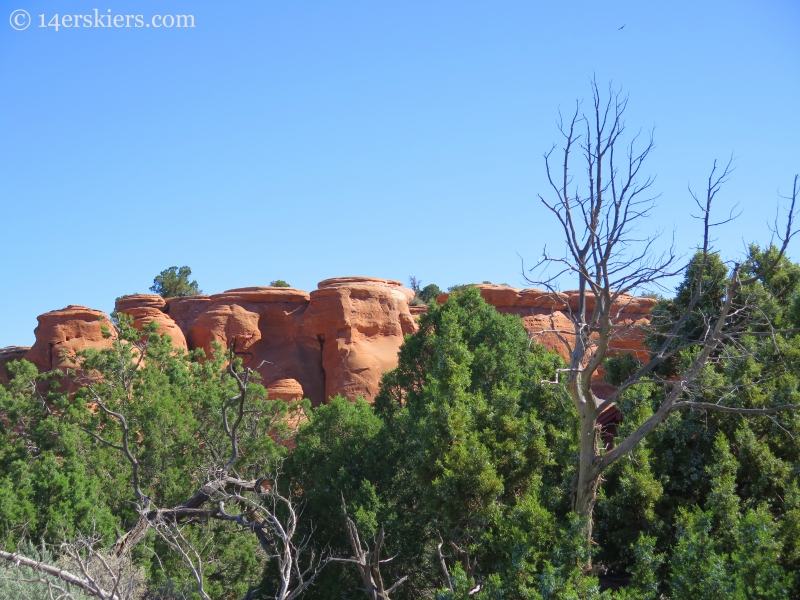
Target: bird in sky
<point>621,28</point>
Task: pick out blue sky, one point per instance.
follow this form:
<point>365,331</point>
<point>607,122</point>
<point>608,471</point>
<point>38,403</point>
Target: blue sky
<point>307,140</point>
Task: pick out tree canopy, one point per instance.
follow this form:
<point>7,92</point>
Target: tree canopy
<point>174,282</point>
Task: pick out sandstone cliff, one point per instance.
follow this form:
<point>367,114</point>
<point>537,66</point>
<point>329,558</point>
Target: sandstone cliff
<point>359,323</point>
<point>338,339</point>
<point>62,333</point>
<point>545,315</point>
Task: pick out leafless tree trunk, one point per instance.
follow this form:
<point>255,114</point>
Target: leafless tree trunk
<point>368,561</point>
<point>608,259</point>
<point>81,566</point>
<point>467,563</point>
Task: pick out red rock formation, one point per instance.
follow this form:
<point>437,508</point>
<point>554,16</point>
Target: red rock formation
<point>62,333</point>
<point>291,392</point>
<point>146,308</point>
<point>285,389</point>
<point>545,315</point>
<point>360,323</point>
<point>337,340</point>
<point>7,355</point>
<point>126,303</point>
<point>184,310</point>
<point>265,324</point>
<point>417,311</point>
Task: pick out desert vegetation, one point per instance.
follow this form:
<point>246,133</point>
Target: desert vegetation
<point>481,470</point>
<point>174,282</point>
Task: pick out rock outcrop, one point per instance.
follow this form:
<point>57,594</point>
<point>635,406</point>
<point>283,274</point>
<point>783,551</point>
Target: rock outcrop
<point>146,308</point>
<point>265,326</point>
<point>62,333</point>
<point>545,315</point>
<point>359,323</point>
<point>7,355</point>
<point>185,310</point>
<point>285,389</point>
<point>338,339</point>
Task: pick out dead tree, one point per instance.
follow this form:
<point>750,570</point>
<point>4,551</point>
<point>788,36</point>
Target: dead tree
<point>65,579</point>
<point>368,560</point>
<point>80,566</point>
<point>467,563</point>
<point>608,258</point>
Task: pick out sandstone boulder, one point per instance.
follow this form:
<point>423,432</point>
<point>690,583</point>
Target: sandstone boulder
<point>359,323</point>
<point>62,333</point>
<point>285,389</point>
<point>184,310</point>
<point>264,324</point>
<point>146,308</point>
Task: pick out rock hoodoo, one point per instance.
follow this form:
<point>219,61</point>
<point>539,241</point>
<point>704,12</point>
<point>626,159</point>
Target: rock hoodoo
<point>146,308</point>
<point>359,323</point>
<point>61,333</point>
<point>265,326</point>
<point>338,339</point>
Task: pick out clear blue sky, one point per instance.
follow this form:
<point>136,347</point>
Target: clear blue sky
<point>306,140</point>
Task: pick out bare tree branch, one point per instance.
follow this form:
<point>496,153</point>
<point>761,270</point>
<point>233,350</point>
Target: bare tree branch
<point>609,259</point>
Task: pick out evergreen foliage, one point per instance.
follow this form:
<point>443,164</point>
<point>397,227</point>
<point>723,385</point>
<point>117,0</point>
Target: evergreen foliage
<point>174,282</point>
<point>429,293</point>
<point>464,452</point>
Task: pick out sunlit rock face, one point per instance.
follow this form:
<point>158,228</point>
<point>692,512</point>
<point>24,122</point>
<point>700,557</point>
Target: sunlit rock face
<point>359,323</point>
<point>288,390</point>
<point>62,333</point>
<point>146,308</point>
<point>264,326</point>
<point>339,339</point>
<point>184,311</point>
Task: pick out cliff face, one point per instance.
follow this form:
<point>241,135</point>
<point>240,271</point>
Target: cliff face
<point>62,333</point>
<point>545,315</point>
<point>338,339</point>
<point>265,326</point>
<point>359,324</point>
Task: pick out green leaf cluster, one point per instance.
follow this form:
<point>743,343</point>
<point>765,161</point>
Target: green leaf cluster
<point>174,282</point>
